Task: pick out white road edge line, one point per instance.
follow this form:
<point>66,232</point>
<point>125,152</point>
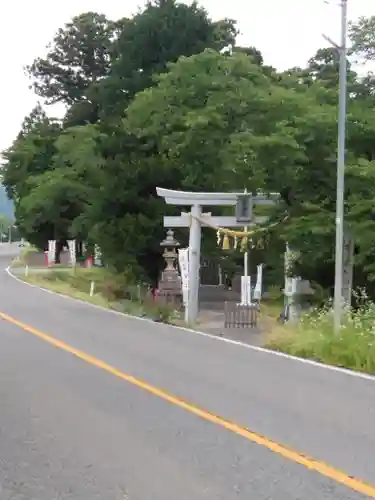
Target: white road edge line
<point>237,343</point>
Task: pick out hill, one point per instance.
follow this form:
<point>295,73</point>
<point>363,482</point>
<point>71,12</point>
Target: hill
<point>6,205</point>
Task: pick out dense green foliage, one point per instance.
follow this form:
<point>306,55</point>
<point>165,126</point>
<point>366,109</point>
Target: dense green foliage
<point>167,98</point>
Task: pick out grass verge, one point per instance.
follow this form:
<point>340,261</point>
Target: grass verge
<point>313,338</point>
<point>110,291</point>
<point>21,260</point>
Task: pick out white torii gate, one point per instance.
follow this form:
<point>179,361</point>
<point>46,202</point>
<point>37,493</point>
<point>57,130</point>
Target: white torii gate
<point>196,201</point>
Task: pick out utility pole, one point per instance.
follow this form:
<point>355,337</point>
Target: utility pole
<point>342,50</point>
<point>338,299</point>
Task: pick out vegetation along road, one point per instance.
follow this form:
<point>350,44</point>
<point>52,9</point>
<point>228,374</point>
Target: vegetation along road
<point>98,405</point>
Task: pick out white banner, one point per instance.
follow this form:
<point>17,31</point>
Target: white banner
<point>97,255</point>
<point>183,261</point>
<point>51,251</point>
<point>258,286</point>
<point>245,290</point>
<point>72,252</point>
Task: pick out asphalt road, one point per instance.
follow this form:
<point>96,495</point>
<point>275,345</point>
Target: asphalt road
<point>70,430</point>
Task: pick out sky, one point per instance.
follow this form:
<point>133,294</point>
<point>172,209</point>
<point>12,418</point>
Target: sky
<point>287,32</point>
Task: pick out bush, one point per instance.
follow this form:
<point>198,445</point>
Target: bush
<point>162,312</point>
<point>314,338</point>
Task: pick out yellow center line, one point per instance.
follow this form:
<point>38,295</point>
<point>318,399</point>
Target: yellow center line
<point>288,453</point>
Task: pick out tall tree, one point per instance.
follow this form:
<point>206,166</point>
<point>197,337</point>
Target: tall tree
<point>362,37</point>
<point>31,153</point>
<point>53,199</point>
<point>222,123</point>
<point>219,122</point>
<point>162,32</point>
<point>79,56</point>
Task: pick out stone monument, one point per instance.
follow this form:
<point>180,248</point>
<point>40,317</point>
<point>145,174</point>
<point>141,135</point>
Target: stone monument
<point>170,284</point>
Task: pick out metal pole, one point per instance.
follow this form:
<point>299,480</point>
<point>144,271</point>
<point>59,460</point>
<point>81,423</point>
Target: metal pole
<point>246,254</point>
<point>194,264</point>
<point>246,260</point>
<point>338,301</point>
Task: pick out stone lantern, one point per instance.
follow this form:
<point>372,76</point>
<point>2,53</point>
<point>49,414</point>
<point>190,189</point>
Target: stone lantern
<point>170,285</point>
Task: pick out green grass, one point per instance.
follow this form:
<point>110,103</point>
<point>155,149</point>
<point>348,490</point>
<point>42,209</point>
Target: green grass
<point>21,260</point>
<point>270,309</point>
<point>313,338</point>
<point>64,288</point>
<point>111,291</point>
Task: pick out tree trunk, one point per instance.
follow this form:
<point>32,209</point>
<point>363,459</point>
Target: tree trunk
<point>79,249</point>
<point>58,250</point>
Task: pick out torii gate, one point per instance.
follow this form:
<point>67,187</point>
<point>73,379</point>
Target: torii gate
<point>196,202</point>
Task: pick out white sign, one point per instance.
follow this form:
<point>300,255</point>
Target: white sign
<point>51,251</point>
<point>72,252</point>
<point>258,286</point>
<point>245,290</point>
<point>183,261</point>
<point>291,285</point>
<point>97,255</point>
